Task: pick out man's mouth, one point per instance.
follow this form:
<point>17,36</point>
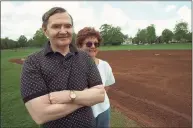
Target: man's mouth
<point>63,37</point>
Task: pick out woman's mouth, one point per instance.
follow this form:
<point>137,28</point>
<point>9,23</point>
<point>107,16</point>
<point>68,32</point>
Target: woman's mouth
<point>92,50</point>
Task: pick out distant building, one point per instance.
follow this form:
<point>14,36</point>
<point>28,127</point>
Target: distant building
<point>127,41</point>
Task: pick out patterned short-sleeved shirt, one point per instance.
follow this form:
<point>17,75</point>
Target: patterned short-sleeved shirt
<point>47,71</point>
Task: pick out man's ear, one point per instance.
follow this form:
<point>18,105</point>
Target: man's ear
<point>44,31</point>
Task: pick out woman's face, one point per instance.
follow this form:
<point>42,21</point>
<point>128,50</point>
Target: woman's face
<point>90,45</point>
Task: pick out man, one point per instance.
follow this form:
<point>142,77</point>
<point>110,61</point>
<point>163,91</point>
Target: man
<point>61,67</point>
<point>89,40</point>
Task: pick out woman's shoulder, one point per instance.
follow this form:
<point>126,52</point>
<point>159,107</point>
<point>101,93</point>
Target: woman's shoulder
<point>104,63</point>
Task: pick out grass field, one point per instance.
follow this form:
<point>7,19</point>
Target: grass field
<point>183,46</point>
<point>149,47</point>
<point>13,112</point>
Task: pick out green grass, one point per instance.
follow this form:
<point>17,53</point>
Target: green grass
<point>120,121</point>
<point>13,111</point>
<point>177,46</point>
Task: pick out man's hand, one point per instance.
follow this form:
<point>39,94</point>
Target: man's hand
<point>60,97</point>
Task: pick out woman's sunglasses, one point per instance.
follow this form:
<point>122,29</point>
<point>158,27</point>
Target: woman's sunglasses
<point>89,44</point>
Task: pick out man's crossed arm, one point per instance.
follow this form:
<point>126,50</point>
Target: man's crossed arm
<point>42,110</point>
<point>87,97</point>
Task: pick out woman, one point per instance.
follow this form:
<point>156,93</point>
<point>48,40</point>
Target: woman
<point>89,40</point>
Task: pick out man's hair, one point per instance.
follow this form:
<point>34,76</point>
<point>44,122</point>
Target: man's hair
<point>85,33</point>
<point>51,12</point>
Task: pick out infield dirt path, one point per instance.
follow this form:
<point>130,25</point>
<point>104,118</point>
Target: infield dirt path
<point>153,88</point>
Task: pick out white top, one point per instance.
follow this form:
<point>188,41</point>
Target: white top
<point>107,80</point>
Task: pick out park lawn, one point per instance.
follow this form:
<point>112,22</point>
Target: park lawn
<point>177,46</point>
<point>13,111</point>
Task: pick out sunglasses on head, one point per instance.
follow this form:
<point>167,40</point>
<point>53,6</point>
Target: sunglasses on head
<point>89,44</point>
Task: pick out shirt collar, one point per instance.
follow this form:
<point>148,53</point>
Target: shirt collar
<point>48,48</point>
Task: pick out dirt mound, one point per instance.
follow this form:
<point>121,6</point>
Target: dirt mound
<point>17,61</point>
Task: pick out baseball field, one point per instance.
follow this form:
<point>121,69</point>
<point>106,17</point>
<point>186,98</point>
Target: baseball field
<point>153,86</point>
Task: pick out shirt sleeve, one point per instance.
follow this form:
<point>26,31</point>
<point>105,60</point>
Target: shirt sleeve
<point>32,82</point>
<point>110,77</point>
<point>94,77</point>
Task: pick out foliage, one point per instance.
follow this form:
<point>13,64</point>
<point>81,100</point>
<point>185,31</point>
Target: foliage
<point>181,31</point>
<point>167,35</point>
<point>112,35</point>
<point>39,38</point>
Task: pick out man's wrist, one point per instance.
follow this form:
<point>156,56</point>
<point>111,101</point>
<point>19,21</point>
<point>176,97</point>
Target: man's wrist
<point>72,95</point>
<point>79,95</point>
<point>66,93</point>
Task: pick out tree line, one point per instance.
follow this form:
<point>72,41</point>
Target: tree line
<point>180,33</point>
<point>112,35</point>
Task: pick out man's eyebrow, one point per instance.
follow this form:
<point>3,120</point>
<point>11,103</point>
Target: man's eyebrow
<point>62,24</point>
<point>68,24</point>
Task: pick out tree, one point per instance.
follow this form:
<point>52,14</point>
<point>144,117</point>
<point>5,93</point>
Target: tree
<point>135,40</point>
<point>141,36</point>
<point>105,33</point>
<point>150,32</point>
<point>158,40</point>
<point>74,38</point>
<point>111,35</point>
<point>181,31</point>
<point>4,43</point>
<point>39,39</point>
<point>116,36</point>
<point>167,35</point>
<point>30,42</point>
<point>7,43</point>
<point>22,41</point>
<point>189,37</point>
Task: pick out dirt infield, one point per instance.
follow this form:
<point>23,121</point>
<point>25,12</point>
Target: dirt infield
<point>154,88</point>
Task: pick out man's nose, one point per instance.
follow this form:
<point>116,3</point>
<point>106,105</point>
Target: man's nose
<point>63,30</point>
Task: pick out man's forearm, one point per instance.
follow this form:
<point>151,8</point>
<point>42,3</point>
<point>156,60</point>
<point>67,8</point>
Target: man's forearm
<point>56,111</point>
<point>87,97</point>
<point>90,97</point>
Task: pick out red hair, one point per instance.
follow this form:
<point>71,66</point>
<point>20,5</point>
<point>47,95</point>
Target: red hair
<point>85,33</point>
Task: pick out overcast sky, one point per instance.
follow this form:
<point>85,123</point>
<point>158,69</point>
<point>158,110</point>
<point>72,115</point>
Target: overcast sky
<point>24,18</point>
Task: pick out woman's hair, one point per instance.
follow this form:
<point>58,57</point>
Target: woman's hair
<point>85,33</point>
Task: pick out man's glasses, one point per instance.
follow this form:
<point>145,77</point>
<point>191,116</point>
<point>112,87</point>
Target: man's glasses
<point>89,44</point>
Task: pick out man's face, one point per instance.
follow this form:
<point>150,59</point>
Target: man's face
<point>90,45</point>
<point>59,29</point>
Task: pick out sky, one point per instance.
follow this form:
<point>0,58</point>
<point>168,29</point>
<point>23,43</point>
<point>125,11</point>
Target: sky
<point>24,17</point>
